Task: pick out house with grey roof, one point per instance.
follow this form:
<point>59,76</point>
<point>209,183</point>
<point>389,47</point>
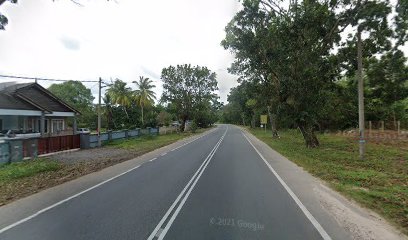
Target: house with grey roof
<point>29,108</point>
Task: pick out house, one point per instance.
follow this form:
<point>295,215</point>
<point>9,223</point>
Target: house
<point>30,109</point>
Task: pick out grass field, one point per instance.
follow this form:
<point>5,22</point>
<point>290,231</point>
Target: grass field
<point>379,182</point>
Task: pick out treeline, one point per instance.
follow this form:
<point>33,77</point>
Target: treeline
<point>298,63</point>
<point>188,95</point>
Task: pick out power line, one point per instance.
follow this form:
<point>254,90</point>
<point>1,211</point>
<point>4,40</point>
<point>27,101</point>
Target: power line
<point>44,79</point>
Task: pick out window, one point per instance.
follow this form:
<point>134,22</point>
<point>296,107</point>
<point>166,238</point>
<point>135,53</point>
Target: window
<point>57,125</point>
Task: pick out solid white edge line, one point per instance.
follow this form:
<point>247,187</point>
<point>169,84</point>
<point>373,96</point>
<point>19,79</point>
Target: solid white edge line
<point>302,207</point>
<point>174,204</point>
<point>175,214</point>
<point>63,201</point>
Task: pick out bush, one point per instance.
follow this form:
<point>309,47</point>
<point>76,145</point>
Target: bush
<point>193,126</point>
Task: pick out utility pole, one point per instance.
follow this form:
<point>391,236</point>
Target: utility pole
<point>99,113</point>
<point>360,94</point>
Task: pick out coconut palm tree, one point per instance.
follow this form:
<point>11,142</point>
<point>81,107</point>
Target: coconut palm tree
<point>143,95</point>
<point>120,94</point>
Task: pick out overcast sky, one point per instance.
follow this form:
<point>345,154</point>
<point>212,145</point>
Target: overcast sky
<point>117,39</point>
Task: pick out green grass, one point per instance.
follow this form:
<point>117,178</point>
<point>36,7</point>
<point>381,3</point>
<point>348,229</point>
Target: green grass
<point>379,182</point>
<point>10,172</point>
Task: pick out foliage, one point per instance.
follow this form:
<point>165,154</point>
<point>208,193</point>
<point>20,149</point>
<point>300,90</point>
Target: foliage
<point>143,95</point>
<point>193,126</point>
<point>3,19</point>
<point>120,95</point>
<point>294,63</point>
<point>79,97</point>
<point>190,93</point>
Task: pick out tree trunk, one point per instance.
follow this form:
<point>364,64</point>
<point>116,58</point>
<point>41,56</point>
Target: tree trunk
<point>272,120</point>
<point>309,136</point>
<point>127,115</point>
<point>183,124</point>
<point>142,116</point>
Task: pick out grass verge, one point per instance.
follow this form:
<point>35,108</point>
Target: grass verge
<point>379,182</point>
<point>10,172</point>
<point>150,142</point>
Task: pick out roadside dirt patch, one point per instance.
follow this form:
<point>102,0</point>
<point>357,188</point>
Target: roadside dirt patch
<point>73,165</point>
<point>362,224</point>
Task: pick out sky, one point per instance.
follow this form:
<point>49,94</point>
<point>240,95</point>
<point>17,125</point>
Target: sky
<point>121,39</point>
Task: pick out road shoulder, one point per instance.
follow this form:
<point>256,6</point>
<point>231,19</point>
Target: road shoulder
<point>340,217</point>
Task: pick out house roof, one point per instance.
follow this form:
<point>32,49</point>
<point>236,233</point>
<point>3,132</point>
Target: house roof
<point>32,96</point>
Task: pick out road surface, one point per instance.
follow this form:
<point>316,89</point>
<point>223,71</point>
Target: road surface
<point>216,187</point>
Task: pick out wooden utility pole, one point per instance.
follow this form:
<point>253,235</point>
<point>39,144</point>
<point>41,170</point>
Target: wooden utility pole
<point>99,113</point>
<point>360,94</point>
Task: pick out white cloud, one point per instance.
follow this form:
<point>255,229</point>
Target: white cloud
<point>59,39</point>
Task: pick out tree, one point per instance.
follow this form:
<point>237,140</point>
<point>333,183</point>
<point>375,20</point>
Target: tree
<point>3,19</point>
<point>188,89</point>
<point>401,20</point>
<point>288,51</point>
<point>120,94</point>
<point>108,112</point>
<point>144,96</point>
<point>387,84</point>
<point>78,96</point>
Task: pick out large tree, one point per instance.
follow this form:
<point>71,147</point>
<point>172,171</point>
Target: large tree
<point>188,89</point>
<point>288,51</point>
<point>144,94</point>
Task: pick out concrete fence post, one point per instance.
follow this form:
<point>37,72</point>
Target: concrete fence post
<point>109,135</point>
<point>126,134</point>
<point>85,140</point>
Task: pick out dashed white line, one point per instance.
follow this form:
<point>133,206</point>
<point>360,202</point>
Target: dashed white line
<point>151,160</point>
<point>63,201</point>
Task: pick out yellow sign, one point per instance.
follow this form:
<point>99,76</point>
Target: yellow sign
<point>264,119</point>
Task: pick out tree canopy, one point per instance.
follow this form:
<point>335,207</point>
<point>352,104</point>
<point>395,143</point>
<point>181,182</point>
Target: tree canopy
<point>190,90</point>
<point>78,96</point>
<point>294,55</point>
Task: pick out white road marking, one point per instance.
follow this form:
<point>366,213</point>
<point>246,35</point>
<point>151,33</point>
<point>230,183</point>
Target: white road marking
<point>193,140</point>
<point>163,154</point>
<point>82,192</point>
<point>63,201</point>
<point>151,160</point>
<point>186,188</point>
<point>302,207</point>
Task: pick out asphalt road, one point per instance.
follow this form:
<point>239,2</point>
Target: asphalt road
<point>217,187</point>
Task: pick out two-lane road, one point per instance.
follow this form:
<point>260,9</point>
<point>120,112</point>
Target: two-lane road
<point>217,187</point>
